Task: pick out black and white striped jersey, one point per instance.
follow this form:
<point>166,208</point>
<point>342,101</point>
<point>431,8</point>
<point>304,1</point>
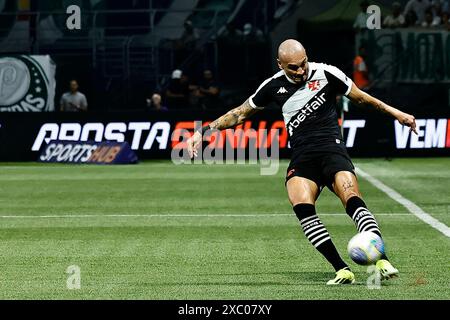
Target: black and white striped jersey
<point>309,109</point>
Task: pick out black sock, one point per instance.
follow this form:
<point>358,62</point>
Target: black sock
<point>317,234</point>
<point>363,218</point>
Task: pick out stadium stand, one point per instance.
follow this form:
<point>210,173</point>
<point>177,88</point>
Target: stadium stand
<point>126,48</point>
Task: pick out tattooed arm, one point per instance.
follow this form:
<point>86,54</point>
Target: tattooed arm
<point>359,97</point>
<point>233,117</point>
<point>230,119</point>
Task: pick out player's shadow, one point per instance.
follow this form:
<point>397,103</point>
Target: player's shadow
<point>305,278</point>
<point>314,276</point>
<point>311,277</point>
<point>297,277</point>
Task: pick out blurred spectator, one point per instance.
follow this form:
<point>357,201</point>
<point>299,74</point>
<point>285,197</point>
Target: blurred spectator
<point>428,22</point>
<point>361,19</point>
<point>154,103</point>
<point>360,70</point>
<point>252,34</point>
<point>232,35</point>
<point>446,6</point>
<point>443,4</point>
<point>396,19</point>
<point>189,37</point>
<point>446,20</point>
<point>410,19</point>
<point>437,10</point>
<point>208,91</point>
<point>186,44</point>
<point>419,7</point>
<point>73,101</point>
<point>177,93</point>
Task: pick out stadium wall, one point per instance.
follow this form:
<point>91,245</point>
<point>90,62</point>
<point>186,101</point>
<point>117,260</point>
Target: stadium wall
<point>153,135</point>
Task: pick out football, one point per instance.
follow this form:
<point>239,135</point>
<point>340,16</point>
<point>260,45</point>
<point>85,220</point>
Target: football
<point>365,248</point>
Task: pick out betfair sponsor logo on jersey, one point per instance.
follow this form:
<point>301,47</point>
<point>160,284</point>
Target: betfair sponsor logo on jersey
<point>431,133</point>
<point>306,111</point>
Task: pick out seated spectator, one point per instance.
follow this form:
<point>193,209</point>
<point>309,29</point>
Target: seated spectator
<point>443,4</point>
<point>419,7</point>
<point>252,34</point>
<point>445,21</point>
<point>155,103</point>
<point>436,9</point>
<point>396,19</point>
<point>208,91</point>
<point>232,35</point>
<point>73,101</point>
<point>410,19</point>
<point>428,22</point>
<point>177,94</point>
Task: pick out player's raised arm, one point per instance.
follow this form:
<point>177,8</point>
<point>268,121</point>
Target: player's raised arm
<point>362,98</point>
<point>230,119</point>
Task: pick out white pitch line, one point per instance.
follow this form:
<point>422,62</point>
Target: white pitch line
<point>408,204</point>
<point>261,215</point>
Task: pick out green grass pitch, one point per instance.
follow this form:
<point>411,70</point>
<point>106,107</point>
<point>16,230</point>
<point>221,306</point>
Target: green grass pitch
<point>160,231</point>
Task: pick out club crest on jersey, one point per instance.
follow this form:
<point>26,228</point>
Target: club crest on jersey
<point>282,90</point>
<point>314,85</point>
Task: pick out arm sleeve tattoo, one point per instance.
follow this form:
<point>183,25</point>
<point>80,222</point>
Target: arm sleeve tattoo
<point>233,117</point>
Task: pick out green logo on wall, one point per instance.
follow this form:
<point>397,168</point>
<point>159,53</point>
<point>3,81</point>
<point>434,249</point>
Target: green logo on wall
<point>24,85</point>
